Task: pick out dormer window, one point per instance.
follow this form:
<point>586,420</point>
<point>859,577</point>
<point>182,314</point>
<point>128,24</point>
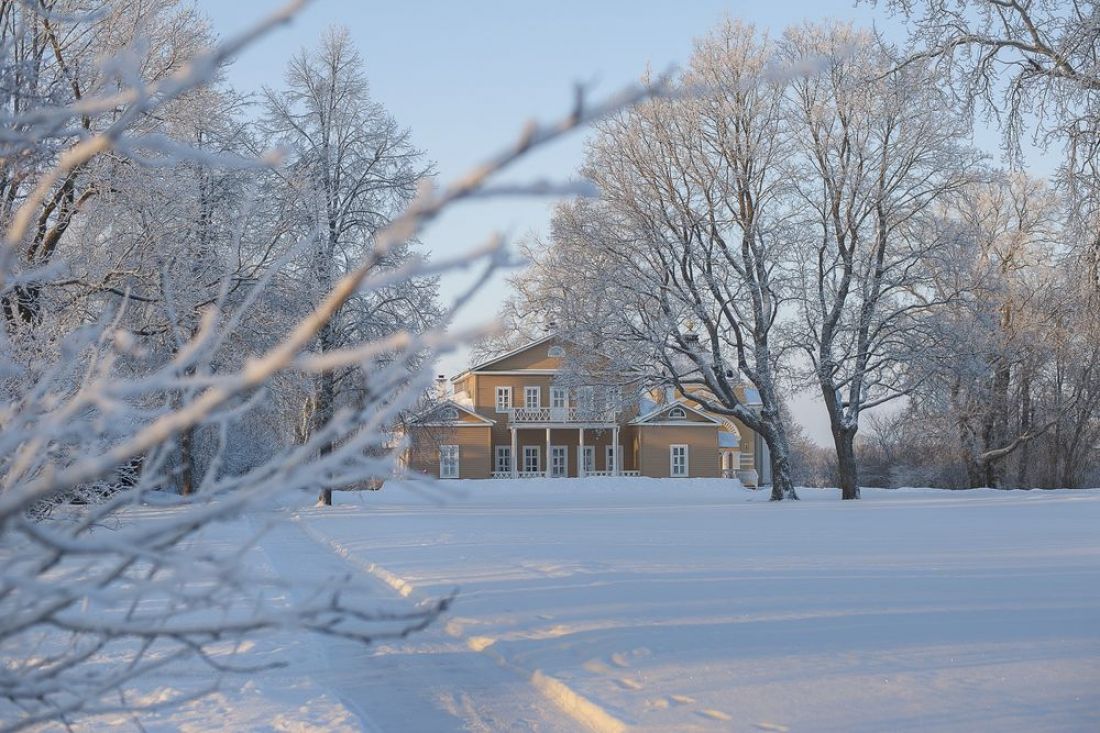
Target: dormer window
<point>556,352</point>
<point>677,413</point>
<point>449,414</point>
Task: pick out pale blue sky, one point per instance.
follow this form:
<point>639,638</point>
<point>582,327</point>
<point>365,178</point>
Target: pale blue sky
<point>464,76</point>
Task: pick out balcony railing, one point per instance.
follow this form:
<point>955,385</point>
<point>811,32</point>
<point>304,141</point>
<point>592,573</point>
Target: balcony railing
<point>528,415</point>
<point>542,474</point>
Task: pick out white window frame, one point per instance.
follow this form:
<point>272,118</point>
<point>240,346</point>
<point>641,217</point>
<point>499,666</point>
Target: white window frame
<point>672,460</point>
<point>536,451</point>
<point>555,352</point>
<point>677,413</point>
<point>504,405</point>
<point>586,458</point>
<point>559,394</point>
<point>447,468</point>
<point>532,389</point>
<point>449,414</point>
<point>504,451</point>
<point>609,453</point>
<point>563,451</point>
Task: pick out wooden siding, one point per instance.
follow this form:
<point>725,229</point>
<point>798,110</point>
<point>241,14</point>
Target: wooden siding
<point>474,451</point>
<point>533,357</point>
<point>702,442</point>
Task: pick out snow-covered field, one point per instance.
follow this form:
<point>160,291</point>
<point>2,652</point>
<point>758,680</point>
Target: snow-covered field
<point>635,604</point>
<point>688,605</point>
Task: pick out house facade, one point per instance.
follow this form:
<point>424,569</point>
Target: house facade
<point>514,417</point>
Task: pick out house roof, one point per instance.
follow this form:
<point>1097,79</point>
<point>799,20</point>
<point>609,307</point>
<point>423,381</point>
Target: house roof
<point>434,410</point>
<point>502,357</point>
<point>661,409</point>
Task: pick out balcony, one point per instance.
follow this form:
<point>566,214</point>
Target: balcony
<point>541,416</point>
<point>542,474</point>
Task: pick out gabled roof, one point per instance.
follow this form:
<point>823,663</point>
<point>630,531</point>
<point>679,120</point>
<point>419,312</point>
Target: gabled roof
<point>502,357</point>
<point>648,417</point>
<point>428,414</point>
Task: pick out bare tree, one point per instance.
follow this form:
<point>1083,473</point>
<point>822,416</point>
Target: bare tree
<point>1010,376</point>
<point>352,170</point>
<point>96,593</point>
<point>678,270</point>
<point>874,153</point>
<point>1027,63</point>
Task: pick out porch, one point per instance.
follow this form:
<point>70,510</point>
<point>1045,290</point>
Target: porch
<point>546,474</point>
<point>576,447</point>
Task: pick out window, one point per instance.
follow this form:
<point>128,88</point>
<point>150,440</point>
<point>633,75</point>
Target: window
<point>610,458</point>
<point>530,459</point>
<point>559,461</point>
<point>556,352</point>
<point>559,397</point>
<point>448,461</point>
<point>677,460</point>
<point>677,413</point>
<point>532,397</point>
<point>503,459</point>
<point>584,397</point>
<point>504,399</point>
<point>449,414</point>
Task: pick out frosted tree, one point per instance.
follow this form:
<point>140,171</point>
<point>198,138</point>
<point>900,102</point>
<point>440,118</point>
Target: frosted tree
<point>1010,378</point>
<point>104,573</point>
<point>874,152</point>
<point>1028,64</point>
<point>352,169</point>
<point>678,270</point>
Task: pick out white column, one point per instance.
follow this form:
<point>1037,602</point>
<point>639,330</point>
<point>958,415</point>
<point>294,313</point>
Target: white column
<point>546,466</point>
<point>515,453</point>
<point>580,453</point>
<point>618,459</point>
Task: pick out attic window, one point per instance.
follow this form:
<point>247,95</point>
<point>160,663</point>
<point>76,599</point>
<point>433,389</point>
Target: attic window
<point>677,413</point>
<point>449,413</point>
<point>556,351</point>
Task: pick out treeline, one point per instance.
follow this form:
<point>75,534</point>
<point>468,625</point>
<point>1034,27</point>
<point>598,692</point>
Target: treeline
<point>807,212</point>
<point>211,200</point>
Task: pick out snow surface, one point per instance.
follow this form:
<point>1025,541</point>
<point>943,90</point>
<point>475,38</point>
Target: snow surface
<point>692,605</point>
<point>683,605</point>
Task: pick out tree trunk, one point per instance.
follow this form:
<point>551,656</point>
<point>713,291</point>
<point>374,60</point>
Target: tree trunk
<point>325,406</point>
<point>1026,415</point>
<point>847,468</point>
<point>780,450</point>
<point>187,462</point>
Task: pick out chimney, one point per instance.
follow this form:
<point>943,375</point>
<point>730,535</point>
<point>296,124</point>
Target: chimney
<point>691,338</point>
<point>441,386</point>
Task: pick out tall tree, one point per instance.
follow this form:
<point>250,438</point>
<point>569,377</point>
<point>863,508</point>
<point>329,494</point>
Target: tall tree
<point>873,152</point>
<point>680,263</point>
<point>351,169</point>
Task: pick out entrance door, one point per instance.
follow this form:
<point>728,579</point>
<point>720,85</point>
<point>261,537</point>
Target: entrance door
<point>559,461</point>
<point>587,458</point>
<point>530,459</point>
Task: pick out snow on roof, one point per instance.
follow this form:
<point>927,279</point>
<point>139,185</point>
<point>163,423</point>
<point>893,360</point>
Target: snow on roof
<point>502,357</point>
<point>728,440</point>
<point>663,408</point>
<point>434,411</point>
